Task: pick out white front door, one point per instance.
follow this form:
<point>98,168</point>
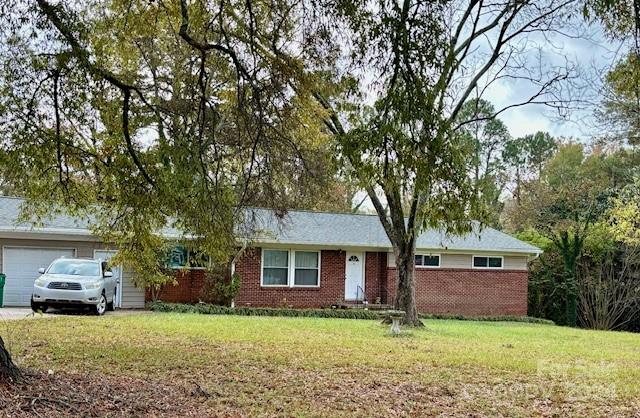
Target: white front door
<point>20,265</point>
<point>354,277</point>
<point>117,274</point>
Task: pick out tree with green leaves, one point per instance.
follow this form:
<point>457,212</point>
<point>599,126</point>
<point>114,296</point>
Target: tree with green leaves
<point>620,104</point>
<point>526,156</point>
<point>159,117</point>
<point>624,215</point>
<point>424,61</point>
<point>620,110</point>
<point>178,114</point>
<point>570,197</point>
<point>620,18</point>
<point>487,136</point>
<point>514,158</point>
<point>539,148</point>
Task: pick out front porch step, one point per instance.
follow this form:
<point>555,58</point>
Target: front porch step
<point>369,306</point>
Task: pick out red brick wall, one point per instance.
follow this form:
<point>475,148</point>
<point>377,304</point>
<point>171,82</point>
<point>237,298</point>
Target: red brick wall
<point>331,290</point>
<point>332,277</point>
<point>468,291</point>
<point>187,290</point>
<point>375,272</point>
<point>453,291</point>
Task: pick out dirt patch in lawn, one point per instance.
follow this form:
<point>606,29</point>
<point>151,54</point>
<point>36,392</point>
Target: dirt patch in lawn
<point>284,391</point>
<point>92,395</point>
<point>260,392</point>
<point>280,391</point>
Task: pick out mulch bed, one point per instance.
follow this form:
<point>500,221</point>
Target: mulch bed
<point>94,395</point>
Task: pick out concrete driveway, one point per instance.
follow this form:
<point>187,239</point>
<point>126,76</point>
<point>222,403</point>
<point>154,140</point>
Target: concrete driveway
<point>12,314</point>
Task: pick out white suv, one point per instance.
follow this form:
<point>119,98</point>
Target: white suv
<point>75,282</point>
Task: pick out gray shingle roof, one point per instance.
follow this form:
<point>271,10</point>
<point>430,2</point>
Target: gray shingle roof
<point>10,213</point>
<point>357,230</point>
<point>304,227</point>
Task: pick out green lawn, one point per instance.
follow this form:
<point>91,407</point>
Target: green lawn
<point>311,367</point>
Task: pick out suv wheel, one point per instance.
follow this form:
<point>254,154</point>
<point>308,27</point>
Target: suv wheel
<point>38,307</point>
<point>101,307</point>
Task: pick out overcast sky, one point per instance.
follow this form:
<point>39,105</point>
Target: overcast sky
<point>594,56</point>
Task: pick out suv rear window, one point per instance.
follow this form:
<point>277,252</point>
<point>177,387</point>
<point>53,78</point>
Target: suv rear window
<point>75,268</point>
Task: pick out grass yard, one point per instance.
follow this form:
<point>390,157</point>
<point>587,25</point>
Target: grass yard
<point>168,364</point>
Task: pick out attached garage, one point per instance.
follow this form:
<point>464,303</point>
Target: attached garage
<point>25,247</point>
<point>21,264</point>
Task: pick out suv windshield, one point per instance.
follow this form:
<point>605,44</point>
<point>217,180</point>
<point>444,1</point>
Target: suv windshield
<point>75,268</point>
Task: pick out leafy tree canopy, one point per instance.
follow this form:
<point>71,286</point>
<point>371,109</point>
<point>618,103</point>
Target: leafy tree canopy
<point>160,117</point>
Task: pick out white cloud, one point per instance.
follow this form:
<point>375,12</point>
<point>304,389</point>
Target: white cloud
<point>525,120</point>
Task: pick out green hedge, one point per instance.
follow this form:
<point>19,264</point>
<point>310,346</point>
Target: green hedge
<point>204,308</point>
<point>208,309</point>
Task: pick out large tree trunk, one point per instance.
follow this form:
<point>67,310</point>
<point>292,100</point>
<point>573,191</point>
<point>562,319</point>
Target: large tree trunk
<point>405,299</point>
<point>402,233</point>
<point>9,372</point>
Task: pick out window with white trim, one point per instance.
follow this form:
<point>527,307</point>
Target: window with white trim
<point>290,268</point>
<point>307,268</point>
<point>427,260</point>
<point>275,268</point>
<point>487,262</point>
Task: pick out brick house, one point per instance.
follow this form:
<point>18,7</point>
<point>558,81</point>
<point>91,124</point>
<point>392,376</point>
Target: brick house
<point>306,259</point>
<point>315,259</point>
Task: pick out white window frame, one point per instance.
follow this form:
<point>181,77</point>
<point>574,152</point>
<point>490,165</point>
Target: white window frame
<point>291,268</point>
<point>473,263</point>
<point>429,255</point>
<point>262,268</point>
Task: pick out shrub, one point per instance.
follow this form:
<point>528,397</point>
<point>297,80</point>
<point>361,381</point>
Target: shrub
<point>220,286</point>
<point>209,309</point>
<point>205,308</point>
<point>548,290</point>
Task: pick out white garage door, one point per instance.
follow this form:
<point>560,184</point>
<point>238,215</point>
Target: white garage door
<point>21,265</point>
